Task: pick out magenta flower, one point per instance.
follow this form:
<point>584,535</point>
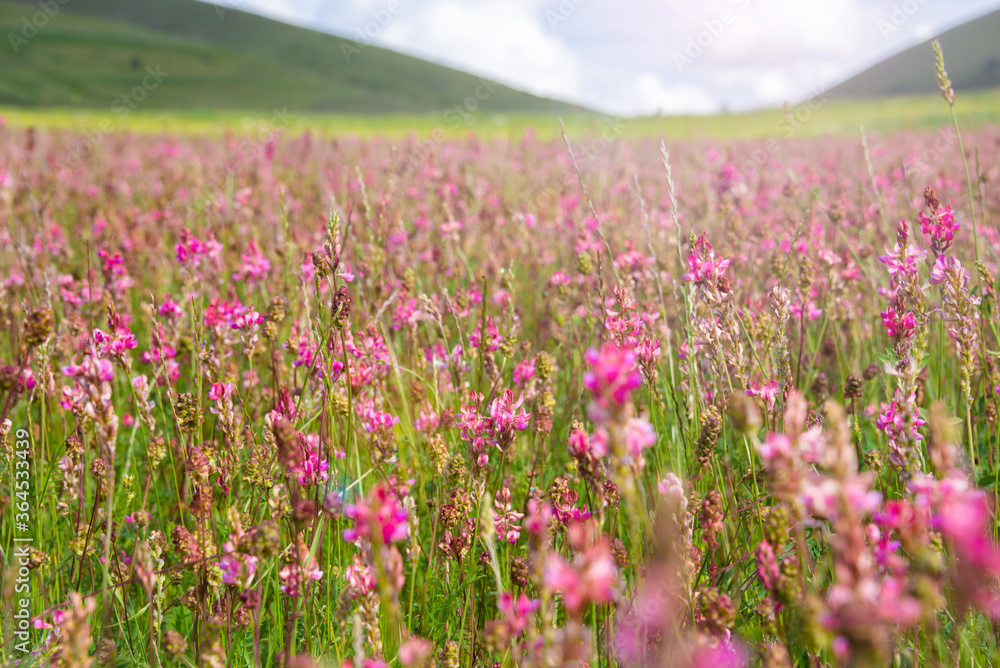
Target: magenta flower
<point>379,424</point>
<point>506,518</point>
<point>295,573</point>
<point>589,578</point>
<point>506,418</point>
<point>898,325</point>
<point>255,266</point>
<point>775,446</point>
<point>703,265</point>
<point>220,391</point>
<point>360,578</point>
<point>247,320</point>
<point>237,568</point>
<point>767,391</point>
<point>169,308</point>
<point>524,371</point>
<point>492,335</point>
<point>518,611</point>
<point>380,515</point>
<point>560,279</point>
<point>581,446</point>
<point>902,260</point>
<point>672,488</point>
<point>192,252</point>
<point>116,343</point>
<point>891,421</point>
<point>611,379</point>
<point>944,266</point>
<point>345,273</point>
<point>648,352</point>
<point>941,227</point>
<point>639,435</point>
<point>539,515</point>
<point>312,470</point>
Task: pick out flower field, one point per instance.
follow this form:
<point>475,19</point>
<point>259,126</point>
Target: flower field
<point>289,400</point>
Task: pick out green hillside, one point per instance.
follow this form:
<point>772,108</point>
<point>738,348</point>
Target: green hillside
<point>92,52</point>
<point>971,53</point>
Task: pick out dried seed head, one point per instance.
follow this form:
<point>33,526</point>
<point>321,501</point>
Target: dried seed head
<point>99,470</point>
<point>519,571</point>
<point>991,413</point>
<point>37,326</point>
<point>438,453</point>
<point>711,427</point>
<point>819,386</point>
<point>716,611</point>
<point>198,465</point>
<point>620,553</point>
<point>456,473</point>
<point>270,330</point>
<point>174,644</point>
<point>321,263</point>
<point>776,525</point>
<point>449,655</point>
<point>276,309</point>
<point>853,387</point>
<point>545,366</point>
<point>286,438</point>
<point>409,279</point>
<point>265,540</point>
<point>186,544</point>
<point>341,404</point>
<point>188,411</point>
<point>873,461</point>
<point>789,586</point>
<point>9,375</point>
<point>612,495</point>
<point>807,276</point>
<point>201,502</point>
<point>341,307</point>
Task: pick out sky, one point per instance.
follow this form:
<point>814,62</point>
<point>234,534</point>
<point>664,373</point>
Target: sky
<point>633,57</point>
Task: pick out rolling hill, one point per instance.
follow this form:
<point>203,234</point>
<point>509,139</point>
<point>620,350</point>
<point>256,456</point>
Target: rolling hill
<point>971,54</point>
<point>92,52</point>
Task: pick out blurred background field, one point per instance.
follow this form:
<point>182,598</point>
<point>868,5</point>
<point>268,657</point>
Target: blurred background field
<point>924,112</point>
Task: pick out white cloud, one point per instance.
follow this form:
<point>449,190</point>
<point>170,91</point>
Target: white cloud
<point>652,96</point>
<point>617,55</point>
<point>497,38</point>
